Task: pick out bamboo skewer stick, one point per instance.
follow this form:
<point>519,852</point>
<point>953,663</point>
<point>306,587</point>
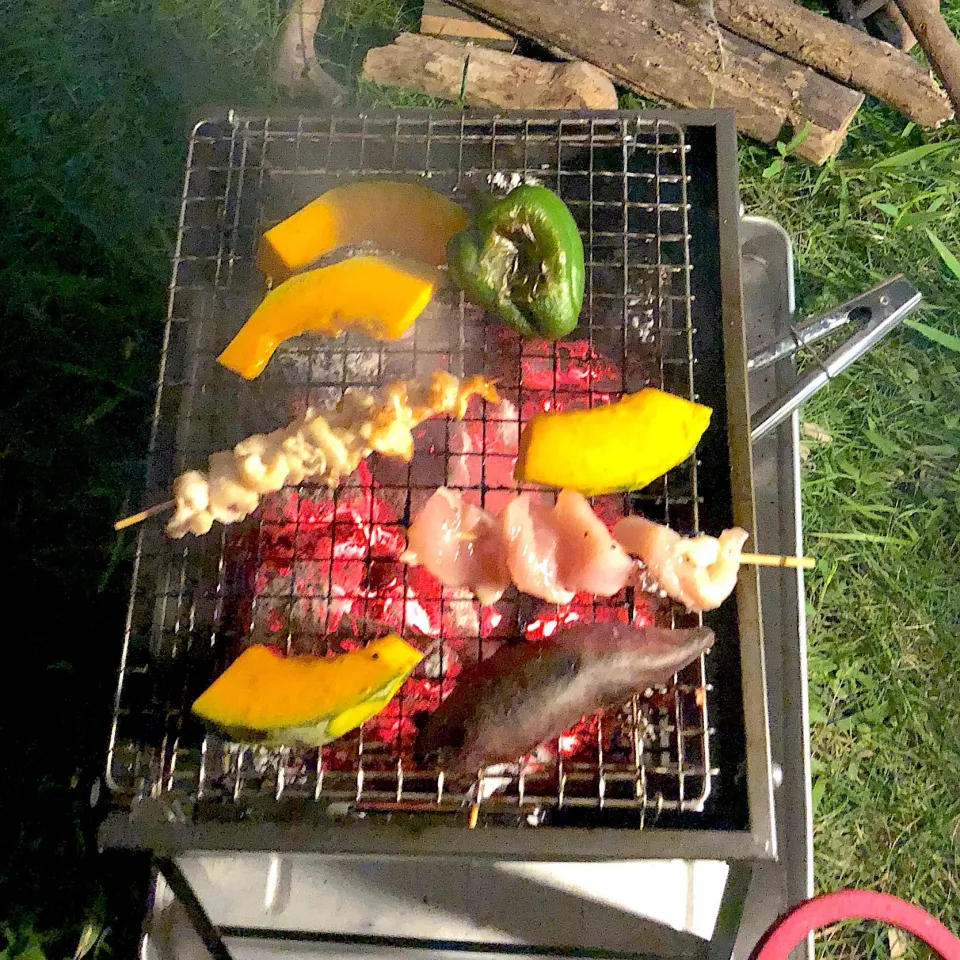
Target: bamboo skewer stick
<point>136,518</point>
<point>772,560</point>
<point>755,559</point>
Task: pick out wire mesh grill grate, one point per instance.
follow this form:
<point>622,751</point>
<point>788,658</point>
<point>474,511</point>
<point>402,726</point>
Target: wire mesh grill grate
<point>316,568</point>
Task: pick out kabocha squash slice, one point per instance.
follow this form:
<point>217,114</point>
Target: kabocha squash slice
<point>407,219</point>
<point>264,697</point>
<point>620,446</point>
<point>379,296</point>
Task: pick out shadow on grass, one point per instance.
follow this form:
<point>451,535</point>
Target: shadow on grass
<point>94,103</point>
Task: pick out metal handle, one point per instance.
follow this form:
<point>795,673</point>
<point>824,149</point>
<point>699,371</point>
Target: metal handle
<point>877,311</point>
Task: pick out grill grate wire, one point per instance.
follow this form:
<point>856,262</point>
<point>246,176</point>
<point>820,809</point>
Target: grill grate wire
<point>280,575</point>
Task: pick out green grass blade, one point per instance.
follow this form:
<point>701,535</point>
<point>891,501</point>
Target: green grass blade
<point>947,340</point>
<point>946,255</point>
<point>798,138</point>
<point>908,157</point>
<point>862,538</point>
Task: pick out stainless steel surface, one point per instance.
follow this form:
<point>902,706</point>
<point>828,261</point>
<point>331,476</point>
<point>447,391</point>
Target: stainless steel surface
<point>195,603</point>
<point>752,660</point>
<point>878,311</point>
<point>767,265</point>
<point>662,907</point>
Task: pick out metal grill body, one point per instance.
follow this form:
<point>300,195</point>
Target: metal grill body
<point>316,569</point>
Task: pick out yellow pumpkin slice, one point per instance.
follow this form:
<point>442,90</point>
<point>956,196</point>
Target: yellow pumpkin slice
<point>407,219</point>
<point>379,296</point>
<point>264,697</point>
<point>620,446</point>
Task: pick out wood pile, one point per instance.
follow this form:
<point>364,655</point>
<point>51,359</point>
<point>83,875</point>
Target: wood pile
<point>780,67</point>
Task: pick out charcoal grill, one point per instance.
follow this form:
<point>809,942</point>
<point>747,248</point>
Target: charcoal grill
<point>655,197</point>
<point>684,771</point>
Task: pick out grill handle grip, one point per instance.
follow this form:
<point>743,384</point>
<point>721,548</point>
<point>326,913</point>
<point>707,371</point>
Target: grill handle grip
<point>876,312</point>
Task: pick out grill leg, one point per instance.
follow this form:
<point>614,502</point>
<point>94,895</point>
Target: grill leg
<point>148,913</point>
<point>731,911</point>
<point>201,923</point>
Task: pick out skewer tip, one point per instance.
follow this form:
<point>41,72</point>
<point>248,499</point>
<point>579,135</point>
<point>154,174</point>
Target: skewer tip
<point>136,518</point>
<point>774,560</point>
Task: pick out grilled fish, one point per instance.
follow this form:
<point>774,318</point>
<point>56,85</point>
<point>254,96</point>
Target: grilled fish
<point>504,706</point>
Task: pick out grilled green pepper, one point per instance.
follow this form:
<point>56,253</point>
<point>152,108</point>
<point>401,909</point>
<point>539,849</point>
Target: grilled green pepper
<point>522,261</point>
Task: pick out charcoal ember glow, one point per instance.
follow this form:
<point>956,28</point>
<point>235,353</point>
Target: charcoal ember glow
<point>580,739</point>
<point>400,722</point>
<point>323,557</point>
<point>475,445</point>
<point>328,564</point>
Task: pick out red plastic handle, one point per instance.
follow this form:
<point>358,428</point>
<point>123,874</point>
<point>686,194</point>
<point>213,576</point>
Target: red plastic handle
<point>854,905</point>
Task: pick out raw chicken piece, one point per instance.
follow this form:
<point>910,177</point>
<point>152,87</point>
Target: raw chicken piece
<point>548,552</point>
<point>531,541</point>
<point>590,559</point>
<point>555,553</point>
<point>699,572</point>
<point>459,544</point>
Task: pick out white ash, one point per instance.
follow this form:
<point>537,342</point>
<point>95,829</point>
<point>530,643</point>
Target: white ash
<point>496,777</point>
<point>644,325</point>
<point>505,181</point>
<point>438,661</point>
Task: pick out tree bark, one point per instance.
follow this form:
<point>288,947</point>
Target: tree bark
<point>893,28</point>
<point>936,41</point>
<point>487,78</point>
<point>296,68</point>
<point>848,55</point>
<point>659,49</point>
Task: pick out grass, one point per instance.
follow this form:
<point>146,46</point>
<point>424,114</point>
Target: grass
<point>882,514</point>
<point>94,101</point>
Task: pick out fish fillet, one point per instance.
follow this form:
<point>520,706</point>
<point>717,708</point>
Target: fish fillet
<point>503,707</point>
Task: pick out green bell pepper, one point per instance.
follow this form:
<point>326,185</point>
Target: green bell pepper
<point>522,261</point>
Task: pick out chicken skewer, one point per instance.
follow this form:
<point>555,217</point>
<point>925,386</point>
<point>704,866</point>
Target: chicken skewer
<point>554,553</point>
<point>320,446</point>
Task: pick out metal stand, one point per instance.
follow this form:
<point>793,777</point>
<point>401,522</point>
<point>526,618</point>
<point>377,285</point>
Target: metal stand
<point>442,909</point>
